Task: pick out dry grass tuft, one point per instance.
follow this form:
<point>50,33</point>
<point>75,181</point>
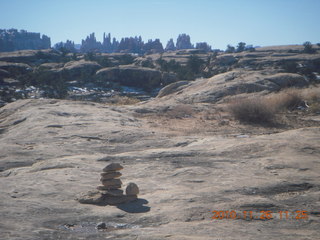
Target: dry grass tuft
<point>313,99</point>
<point>289,99</point>
<point>179,111</point>
<point>263,110</point>
<point>253,110</point>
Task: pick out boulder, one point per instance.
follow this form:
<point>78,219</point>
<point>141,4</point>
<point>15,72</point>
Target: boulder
<point>171,88</point>
<point>15,69</point>
<point>284,80</point>
<point>132,76</point>
<point>79,70</point>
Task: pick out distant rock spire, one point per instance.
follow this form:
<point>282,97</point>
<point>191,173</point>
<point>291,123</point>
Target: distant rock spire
<point>170,45</point>
<point>183,42</point>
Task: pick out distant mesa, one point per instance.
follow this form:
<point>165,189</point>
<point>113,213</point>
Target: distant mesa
<point>14,40</point>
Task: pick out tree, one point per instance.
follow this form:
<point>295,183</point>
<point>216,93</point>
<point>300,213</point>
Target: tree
<point>308,47</point>
<point>230,49</point>
<point>195,64</point>
<point>241,47</point>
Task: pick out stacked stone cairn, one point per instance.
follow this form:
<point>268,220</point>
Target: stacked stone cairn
<point>111,186</point>
<point>110,191</point>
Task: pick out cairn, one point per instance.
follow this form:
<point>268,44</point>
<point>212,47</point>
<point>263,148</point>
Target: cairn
<point>110,192</point>
<point>111,184</point>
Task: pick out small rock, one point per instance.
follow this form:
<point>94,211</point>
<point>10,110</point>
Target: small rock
<point>132,189</point>
<point>105,188</point>
<point>101,225</point>
<point>110,175</point>
<point>111,182</point>
<point>112,167</point>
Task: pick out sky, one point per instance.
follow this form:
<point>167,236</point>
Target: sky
<point>217,22</point>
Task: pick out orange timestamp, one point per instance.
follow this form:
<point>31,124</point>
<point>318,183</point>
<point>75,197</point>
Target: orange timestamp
<point>263,215</point>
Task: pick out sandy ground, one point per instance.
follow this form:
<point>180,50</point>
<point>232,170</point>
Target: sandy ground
<point>52,150</point>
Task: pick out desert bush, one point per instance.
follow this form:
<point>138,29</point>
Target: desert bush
<point>289,99</point>
<point>230,49</point>
<point>308,48</point>
<point>194,67</point>
<point>253,110</point>
<point>241,47</point>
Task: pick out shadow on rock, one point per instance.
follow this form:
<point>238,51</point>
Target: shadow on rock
<point>136,206</point>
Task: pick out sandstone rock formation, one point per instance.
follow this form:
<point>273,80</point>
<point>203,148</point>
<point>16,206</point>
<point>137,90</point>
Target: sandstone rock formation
<point>171,88</point>
<point>183,42</point>
<point>14,40</point>
<point>153,47</point>
<point>146,78</point>
<point>170,45</point>
<point>90,44</point>
<point>32,57</point>
<point>107,45</point>
<point>131,45</point>
<point>67,46</point>
<point>82,70</point>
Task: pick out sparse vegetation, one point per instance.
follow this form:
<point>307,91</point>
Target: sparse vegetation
<point>253,110</point>
<point>262,110</point>
<point>230,49</point>
<point>192,69</point>
<point>289,99</point>
<point>312,97</point>
<point>241,47</point>
<point>308,48</point>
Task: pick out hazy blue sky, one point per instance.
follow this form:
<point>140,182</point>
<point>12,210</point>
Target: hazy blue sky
<point>219,22</point>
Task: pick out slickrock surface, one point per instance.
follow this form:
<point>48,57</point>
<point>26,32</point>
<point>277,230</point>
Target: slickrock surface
<point>188,161</point>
